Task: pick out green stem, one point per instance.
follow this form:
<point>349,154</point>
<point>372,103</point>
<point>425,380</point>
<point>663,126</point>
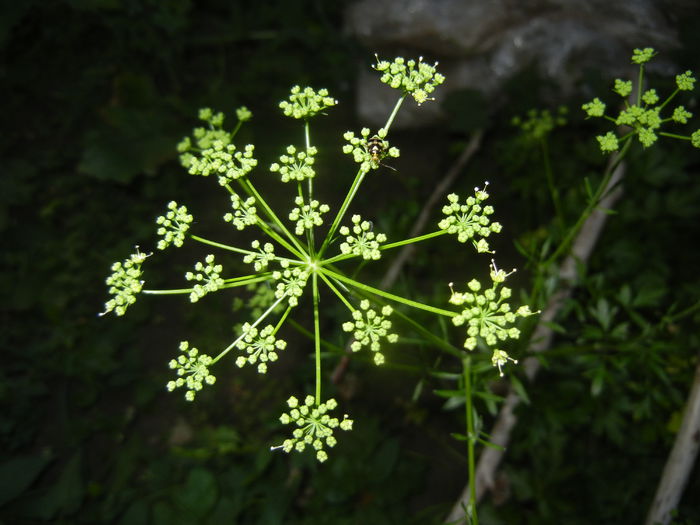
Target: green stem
<point>220,245</point>
<point>230,283</point>
<point>670,97</point>
<point>247,185</point>
<point>674,135</point>
<point>390,120</point>
<point>317,338</point>
<point>412,240</point>
<point>339,217</point>
<point>640,78</point>
<point>167,292</point>
<point>554,193</point>
<point>249,252</point>
<point>307,139</point>
<point>256,323</point>
<point>389,246</point>
<point>471,439</point>
<point>337,292</point>
<point>437,341</point>
<point>387,295</point>
<point>282,319</point>
<point>235,130</point>
<point>594,200</point>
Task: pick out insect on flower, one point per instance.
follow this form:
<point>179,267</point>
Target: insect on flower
<point>377,150</point>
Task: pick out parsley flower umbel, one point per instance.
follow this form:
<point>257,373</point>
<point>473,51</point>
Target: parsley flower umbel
<point>307,216</point>
<point>262,258</point>
<point>306,103</point>
<point>225,161</point>
<point>192,369</point>
<point>368,327</point>
<point>209,274</point>
<point>295,165</point>
<point>173,225</point>
<point>486,313</point>
<point>244,212</point>
<point>418,79</point>
<point>470,219</point>
<point>641,117</point>
<point>314,427</point>
<point>364,243</point>
<point>290,283</point>
<point>125,283</point>
<point>260,346</point>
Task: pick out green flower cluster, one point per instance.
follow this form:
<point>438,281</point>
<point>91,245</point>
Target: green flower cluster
<point>223,160</point>
<point>291,283</point>
<point>306,103</point>
<point>124,283</point>
<point>260,346</point>
<point>192,369</point>
<point>487,314</point>
<point>244,212</point>
<point>173,225</point>
<point>643,118</point>
<point>365,243</point>
<point>209,274</point>
<point>470,219</point>
<point>296,165</point>
<point>536,125</point>
<point>415,78</point>
<point>262,258</point>
<point>314,427</point>
<point>360,150</point>
<point>307,216</point>
<point>369,328</point>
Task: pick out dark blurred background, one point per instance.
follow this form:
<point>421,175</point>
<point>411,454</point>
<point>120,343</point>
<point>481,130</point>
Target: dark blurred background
<point>95,96</point>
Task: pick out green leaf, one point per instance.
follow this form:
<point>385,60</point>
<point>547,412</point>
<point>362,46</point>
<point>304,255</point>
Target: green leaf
<point>199,493</point>
<point>490,444</point>
<point>519,389</point>
<point>555,327</point>
<point>598,382</point>
<point>453,402</point>
<point>449,393</point>
<point>417,391</point>
<point>66,495</point>
<point>17,475</point>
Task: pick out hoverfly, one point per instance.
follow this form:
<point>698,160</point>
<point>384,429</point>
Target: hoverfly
<point>377,151</point>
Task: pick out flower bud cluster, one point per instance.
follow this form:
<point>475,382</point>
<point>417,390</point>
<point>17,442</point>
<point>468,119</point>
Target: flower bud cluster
<point>296,165</point>
<point>364,243</point>
<point>415,78</point>
<point>262,258</point>
<point>644,117</point>
<point>314,427</point>
<point>369,327</point>
<point>124,283</point>
<point>487,314</point>
<point>306,103</point>
<point>307,215</point>
<point>470,219</point>
<point>223,160</point>
<point>291,283</point>
<point>192,369</point>
<point>261,347</point>
<point>209,274</point>
<point>173,225</point>
<point>536,125</point>
<point>244,212</point>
